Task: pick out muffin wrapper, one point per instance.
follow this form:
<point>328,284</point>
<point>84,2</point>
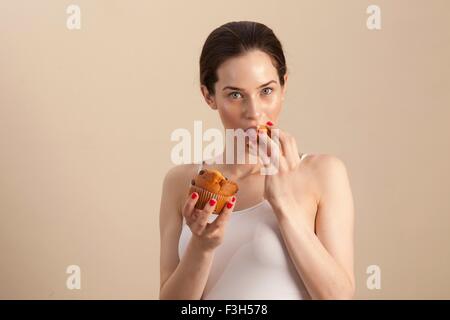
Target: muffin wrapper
<point>205,196</point>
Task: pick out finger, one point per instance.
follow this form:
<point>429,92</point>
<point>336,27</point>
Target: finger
<point>189,205</point>
<point>294,157</point>
<point>253,152</point>
<point>275,162</point>
<point>290,151</point>
<point>252,141</point>
<point>201,221</point>
<point>283,142</point>
<point>224,215</point>
<point>210,206</point>
<point>203,216</point>
<point>195,214</point>
<point>263,149</point>
<point>269,151</point>
<point>274,130</point>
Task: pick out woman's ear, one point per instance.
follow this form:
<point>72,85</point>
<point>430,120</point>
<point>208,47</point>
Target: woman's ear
<point>209,98</point>
<point>284,86</point>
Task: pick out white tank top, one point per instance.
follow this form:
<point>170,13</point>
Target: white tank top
<point>252,263</point>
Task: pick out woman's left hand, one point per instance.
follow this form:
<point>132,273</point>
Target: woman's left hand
<point>280,161</point>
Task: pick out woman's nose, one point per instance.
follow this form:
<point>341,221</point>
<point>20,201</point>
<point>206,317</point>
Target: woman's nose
<point>252,110</point>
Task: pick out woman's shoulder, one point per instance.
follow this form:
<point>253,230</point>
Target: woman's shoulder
<point>320,161</point>
<point>181,170</point>
<point>323,164</point>
<point>325,169</point>
<point>177,180</point>
<point>180,175</point>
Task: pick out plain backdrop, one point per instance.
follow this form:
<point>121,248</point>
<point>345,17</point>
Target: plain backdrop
<point>86,117</point>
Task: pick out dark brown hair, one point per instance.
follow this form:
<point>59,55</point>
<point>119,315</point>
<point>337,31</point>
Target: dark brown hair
<point>236,38</point>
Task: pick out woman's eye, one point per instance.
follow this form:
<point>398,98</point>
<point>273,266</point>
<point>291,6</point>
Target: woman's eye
<point>267,91</point>
<point>235,95</point>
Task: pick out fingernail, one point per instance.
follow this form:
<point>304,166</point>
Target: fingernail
<point>194,195</point>
<point>212,202</point>
<point>269,123</point>
<point>233,199</point>
<point>229,205</point>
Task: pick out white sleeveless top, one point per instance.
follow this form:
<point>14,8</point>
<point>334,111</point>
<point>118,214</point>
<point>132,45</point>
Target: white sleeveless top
<point>252,263</point>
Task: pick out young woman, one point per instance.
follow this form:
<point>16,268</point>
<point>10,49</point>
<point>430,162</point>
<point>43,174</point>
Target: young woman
<point>287,235</point>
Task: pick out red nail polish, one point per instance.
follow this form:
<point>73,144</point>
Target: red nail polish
<point>229,205</point>
<point>194,195</point>
<point>269,123</point>
<point>212,202</point>
<point>233,199</point>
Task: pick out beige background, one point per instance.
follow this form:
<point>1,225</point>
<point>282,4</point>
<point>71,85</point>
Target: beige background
<point>86,117</point>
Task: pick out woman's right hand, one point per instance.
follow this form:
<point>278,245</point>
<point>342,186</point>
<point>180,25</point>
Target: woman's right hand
<point>207,235</point>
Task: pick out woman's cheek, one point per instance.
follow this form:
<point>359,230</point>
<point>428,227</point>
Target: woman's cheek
<point>232,107</point>
<point>273,103</point>
<point>230,113</point>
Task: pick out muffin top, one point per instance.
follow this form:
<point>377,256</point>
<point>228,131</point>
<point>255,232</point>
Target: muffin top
<point>263,128</point>
<point>214,181</point>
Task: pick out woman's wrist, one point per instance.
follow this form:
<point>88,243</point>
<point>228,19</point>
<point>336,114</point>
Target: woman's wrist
<point>198,246</point>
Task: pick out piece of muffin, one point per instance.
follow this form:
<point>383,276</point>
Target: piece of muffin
<point>210,183</point>
<point>263,128</point>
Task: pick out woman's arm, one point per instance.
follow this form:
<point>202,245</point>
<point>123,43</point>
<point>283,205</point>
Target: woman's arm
<point>324,259</point>
<point>188,280</point>
<point>185,279</point>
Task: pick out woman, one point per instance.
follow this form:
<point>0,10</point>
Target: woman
<point>288,235</point>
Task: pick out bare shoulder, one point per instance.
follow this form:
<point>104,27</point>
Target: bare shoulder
<point>325,169</point>
<point>324,162</point>
<point>180,171</point>
<point>176,183</point>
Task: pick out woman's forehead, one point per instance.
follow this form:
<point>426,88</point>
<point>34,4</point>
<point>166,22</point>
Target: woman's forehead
<point>247,71</point>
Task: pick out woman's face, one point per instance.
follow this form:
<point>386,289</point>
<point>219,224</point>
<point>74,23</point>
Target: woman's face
<point>248,91</point>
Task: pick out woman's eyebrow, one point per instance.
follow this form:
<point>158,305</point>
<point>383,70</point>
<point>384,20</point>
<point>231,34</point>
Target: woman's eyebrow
<point>236,88</point>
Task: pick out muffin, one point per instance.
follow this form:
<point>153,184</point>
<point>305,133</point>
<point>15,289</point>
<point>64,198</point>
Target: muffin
<point>210,183</point>
<point>263,128</point>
